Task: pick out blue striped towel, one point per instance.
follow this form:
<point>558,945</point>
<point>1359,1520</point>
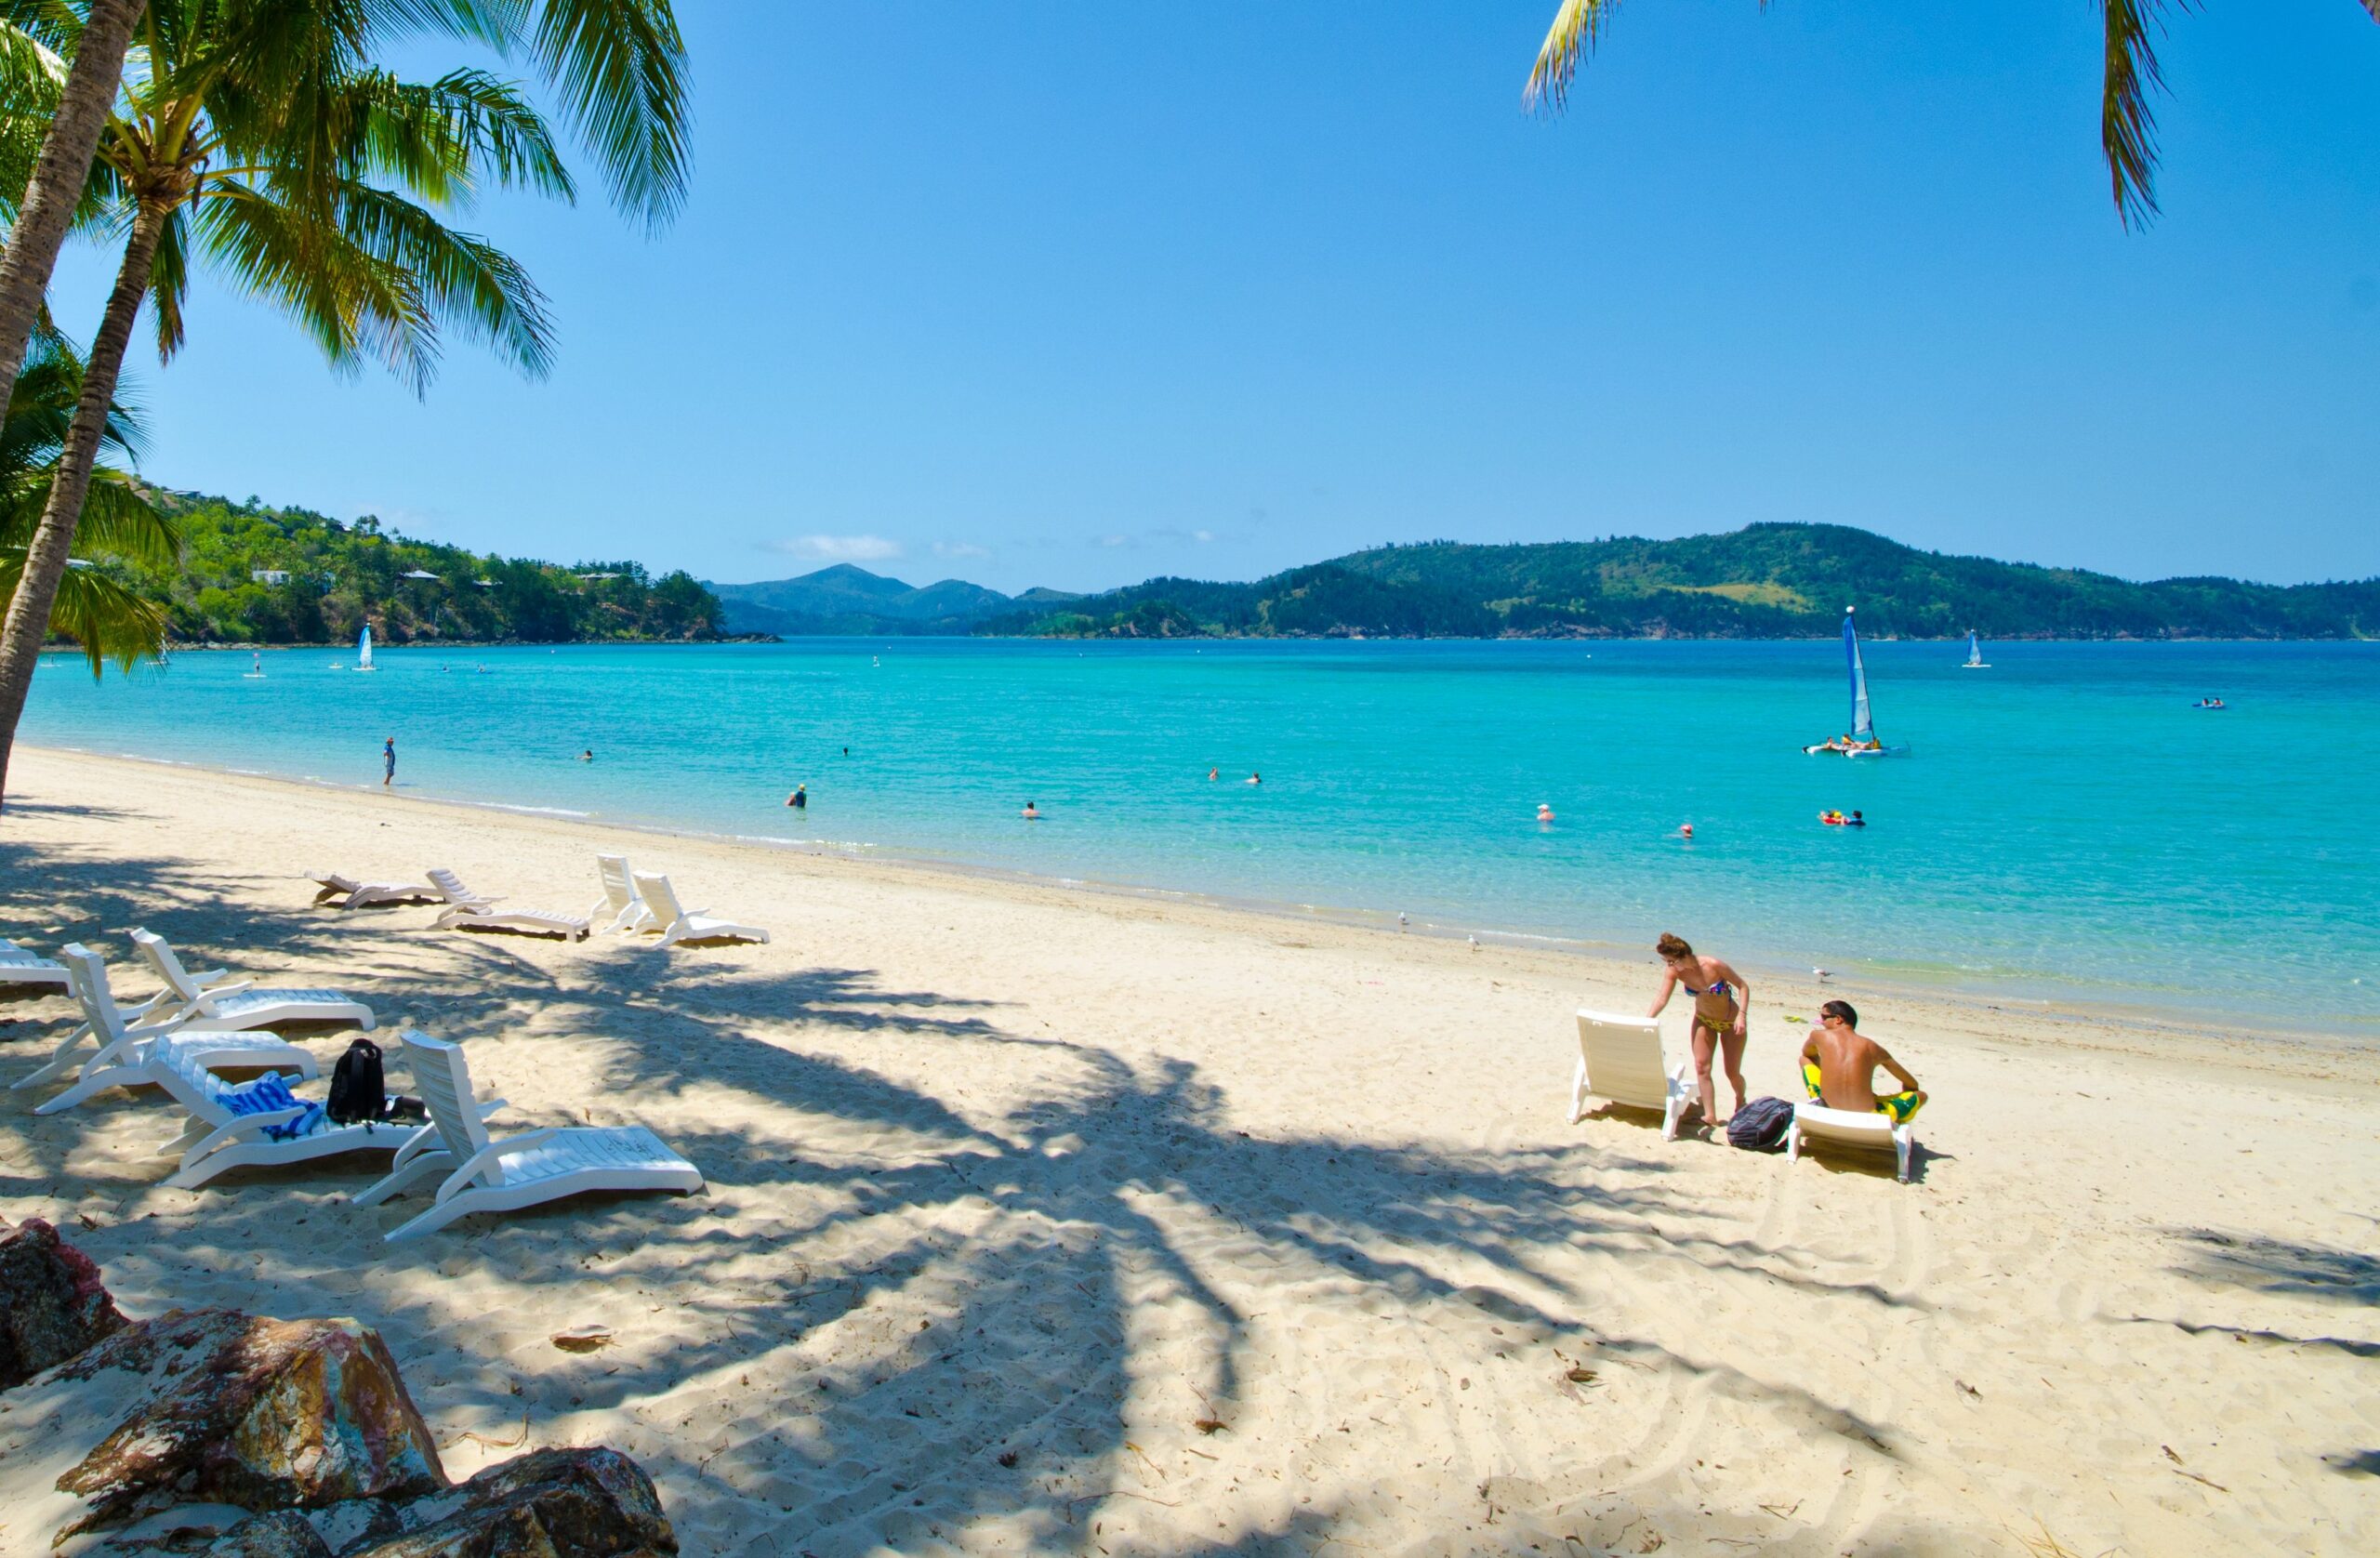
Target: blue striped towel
<point>267,1093</point>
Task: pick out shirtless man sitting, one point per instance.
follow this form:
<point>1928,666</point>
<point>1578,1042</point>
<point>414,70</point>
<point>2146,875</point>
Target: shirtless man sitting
<point>1839,1067</point>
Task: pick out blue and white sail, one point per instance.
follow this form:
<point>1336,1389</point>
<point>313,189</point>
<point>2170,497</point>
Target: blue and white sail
<point>1975,652</point>
<point>1863,726</point>
<point>364,649</point>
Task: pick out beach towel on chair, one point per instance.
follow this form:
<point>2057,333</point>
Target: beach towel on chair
<point>1759,1126</point>
<point>267,1093</point>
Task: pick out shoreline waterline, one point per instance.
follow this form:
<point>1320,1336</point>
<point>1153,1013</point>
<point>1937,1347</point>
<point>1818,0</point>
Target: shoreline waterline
<point>2068,830</point>
<point>1600,957</point>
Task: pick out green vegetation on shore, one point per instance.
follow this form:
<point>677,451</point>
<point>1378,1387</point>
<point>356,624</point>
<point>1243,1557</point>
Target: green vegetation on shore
<point>251,574</point>
<point>1762,581</point>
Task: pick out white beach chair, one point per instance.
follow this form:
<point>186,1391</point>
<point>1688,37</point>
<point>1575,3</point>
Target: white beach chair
<point>628,911</point>
<point>213,1002</point>
<point>678,924</point>
<point>1619,1059</point>
<point>1849,1128</point>
<point>355,894</point>
<point>469,910</point>
<point>135,1055</point>
<point>484,1175</point>
<point>19,966</point>
<point>216,1139</point>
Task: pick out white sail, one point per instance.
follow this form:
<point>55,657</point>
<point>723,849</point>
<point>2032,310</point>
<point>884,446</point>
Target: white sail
<point>364,649</point>
<point>1975,649</point>
<point>1863,727</point>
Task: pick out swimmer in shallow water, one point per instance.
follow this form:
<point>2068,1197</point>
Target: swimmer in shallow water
<point>588,756</point>
<point>1544,812</point>
<point>1032,812</point>
<point>799,799</point>
<point>1213,775</point>
<point>1255,778</point>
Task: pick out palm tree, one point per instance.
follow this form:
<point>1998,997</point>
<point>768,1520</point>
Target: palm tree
<point>77,111</point>
<point>111,621</point>
<point>256,136</point>
<point>2127,128</point>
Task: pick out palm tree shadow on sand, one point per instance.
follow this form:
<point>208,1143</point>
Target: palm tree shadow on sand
<point>1010,1296</point>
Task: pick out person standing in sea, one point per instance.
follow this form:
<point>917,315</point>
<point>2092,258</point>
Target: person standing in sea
<point>1722,1015</point>
<point>388,762</point>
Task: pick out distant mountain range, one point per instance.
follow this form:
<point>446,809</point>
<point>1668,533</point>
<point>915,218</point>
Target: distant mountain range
<point>1762,581</point>
<point>844,599</point>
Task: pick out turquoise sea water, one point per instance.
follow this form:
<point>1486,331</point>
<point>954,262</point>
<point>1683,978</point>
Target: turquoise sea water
<point>2065,827</point>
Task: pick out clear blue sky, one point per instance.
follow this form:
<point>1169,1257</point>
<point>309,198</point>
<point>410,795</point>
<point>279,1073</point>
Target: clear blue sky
<point>1051,293</point>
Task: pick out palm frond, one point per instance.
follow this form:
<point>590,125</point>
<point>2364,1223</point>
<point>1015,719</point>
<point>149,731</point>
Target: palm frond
<point>1578,26</point>
<point>619,67</point>
<point>117,520</point>
<point>2127,123</point>
<point>464,282</point>
<point>100,615</point>
<point>352,305</point>
<point>169,282</point>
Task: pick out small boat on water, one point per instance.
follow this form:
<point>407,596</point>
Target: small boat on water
<point>1862,741</point>
<point>1976,662</point>
<point>364,649</point>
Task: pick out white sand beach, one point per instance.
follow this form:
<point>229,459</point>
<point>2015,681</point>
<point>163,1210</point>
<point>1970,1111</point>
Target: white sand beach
<point>1060,1222</point>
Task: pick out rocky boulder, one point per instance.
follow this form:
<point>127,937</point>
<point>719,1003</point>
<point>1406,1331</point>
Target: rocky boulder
<point>575,1503</point>
<point>52,1302</point>
<point>212,1406</point>
<point>282,1534</point>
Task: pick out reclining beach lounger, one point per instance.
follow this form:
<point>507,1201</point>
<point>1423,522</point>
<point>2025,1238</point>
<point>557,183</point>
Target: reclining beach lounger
<point>219,1138</point>
<point>466,910</point>
<point>19,966</point>
<point>529,1170</point>
<point>677,924</point>
<point>132,1055</point>
<point>1619,1059</point>
<point>628,911</point>
<point>1849,1128</point>
<point>353,894</point>
<point>212,1002</point>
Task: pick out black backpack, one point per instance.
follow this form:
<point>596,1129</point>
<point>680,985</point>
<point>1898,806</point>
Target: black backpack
<point>1759,1126</point>
<point>358,1094</point>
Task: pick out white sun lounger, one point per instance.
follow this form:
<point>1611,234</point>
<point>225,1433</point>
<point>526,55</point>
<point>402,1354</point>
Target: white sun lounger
<point>19,966</point>
<point>678,924</point>
<point>620,900</point>
<point>1849,1128</point>
<point>355,894</point>
<point>535,1167</point>
<point>217,1139</point>
<point>135,1055</point>
<point>213,1002</point>
<point>469,910</point>
<point>1619,1059</point>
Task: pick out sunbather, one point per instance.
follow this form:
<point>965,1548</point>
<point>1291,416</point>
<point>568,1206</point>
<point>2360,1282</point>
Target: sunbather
<point>1722,1011</point>
<point>1839,1065</point>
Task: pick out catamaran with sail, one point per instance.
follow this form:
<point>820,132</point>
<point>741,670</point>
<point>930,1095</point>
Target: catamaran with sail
<point>1862,741</point>
<point>364,649</point>
<point>1976,662</point>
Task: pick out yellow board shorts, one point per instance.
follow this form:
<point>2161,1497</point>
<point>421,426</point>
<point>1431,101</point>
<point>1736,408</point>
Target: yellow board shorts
<point>1902,1107</point>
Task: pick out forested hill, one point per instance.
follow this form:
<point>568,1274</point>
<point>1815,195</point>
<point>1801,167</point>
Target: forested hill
<point>253,574</point>
<point>1765,581</point>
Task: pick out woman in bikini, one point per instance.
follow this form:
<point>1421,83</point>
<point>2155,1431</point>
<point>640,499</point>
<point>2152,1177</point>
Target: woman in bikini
<point>1721,1007</point>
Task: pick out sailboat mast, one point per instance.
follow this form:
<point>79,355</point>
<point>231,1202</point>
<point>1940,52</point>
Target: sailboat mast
<point>1862,725</point>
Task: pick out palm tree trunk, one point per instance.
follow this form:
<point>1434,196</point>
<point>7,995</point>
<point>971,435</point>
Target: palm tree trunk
<point>59,175</point>
<point>28,620</point>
